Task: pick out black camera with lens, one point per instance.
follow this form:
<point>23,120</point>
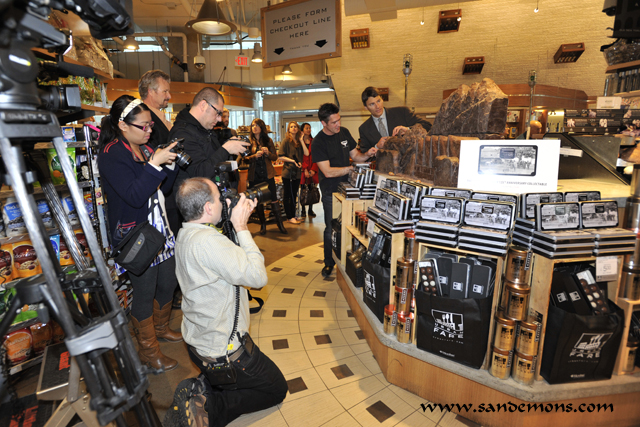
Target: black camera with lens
<point>182,158</point>
<point>260,192</point>
<point>248,150</point>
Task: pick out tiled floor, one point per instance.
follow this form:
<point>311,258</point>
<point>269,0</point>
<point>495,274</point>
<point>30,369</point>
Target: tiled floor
<point>308,330</point>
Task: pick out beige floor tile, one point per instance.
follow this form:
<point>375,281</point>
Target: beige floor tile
<point>451,419</point>
<point>284,300</point>
<point>342,313</point>
<point>293,281</point>
<point>411,399</point>
<point>353,393</point>
<point>311,380</point>
<point>416,420</point>
<point>322,283</point>
<point>344,324</point>
<point>358,371</point>
<point>310,342</point>
<point>291,362</point>
<point>274,278</point>
<point>435,415</point>
<point>266,344</point>
<point>278,270</point>
<point>328,314</point>
<point>311,411</point>
<point>326,355</point>
<point>311,274</point>
<point>383,379</point>
<point>289,262</point>
<point>391,400</point>
<point>317,303</point>
<point>313,326</point>
<point>269,417</point>
<point>342,420</point>
<point>360,348</point>
<point>370,362</point>
<point>276,311</point>
<point>342,303</point>
<point>351,336</point>
<point>271,327</point>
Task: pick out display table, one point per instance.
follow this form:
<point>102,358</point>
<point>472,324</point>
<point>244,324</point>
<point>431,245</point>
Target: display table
<point>442,381</point>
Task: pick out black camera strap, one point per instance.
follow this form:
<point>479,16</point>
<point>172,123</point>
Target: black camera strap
<point>235,322</point>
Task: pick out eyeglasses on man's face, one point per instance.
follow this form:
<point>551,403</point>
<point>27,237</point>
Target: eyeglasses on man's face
<point>218,112</point>
<point>145,128</point>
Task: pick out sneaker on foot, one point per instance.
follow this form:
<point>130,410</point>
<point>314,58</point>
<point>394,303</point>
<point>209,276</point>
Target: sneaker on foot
<point>189,405</point>
<point>326,271</point>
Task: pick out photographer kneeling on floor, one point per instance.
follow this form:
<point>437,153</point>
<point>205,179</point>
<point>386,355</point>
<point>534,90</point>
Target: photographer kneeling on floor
<point>212,271</point>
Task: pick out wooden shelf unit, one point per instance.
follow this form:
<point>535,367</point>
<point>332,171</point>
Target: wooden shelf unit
<point>629,307</point>
<point>623,66</point>
<point>348,209</point>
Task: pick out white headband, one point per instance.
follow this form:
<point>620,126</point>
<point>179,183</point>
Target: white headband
<point>133,104</point>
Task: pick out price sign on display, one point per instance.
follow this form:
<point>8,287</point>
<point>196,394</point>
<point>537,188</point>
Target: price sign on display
<point>242,61</point>
<point>606,269</point>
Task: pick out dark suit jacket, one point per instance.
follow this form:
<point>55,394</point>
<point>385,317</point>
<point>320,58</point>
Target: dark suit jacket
<point>160,133</point>
<point>396,116</point>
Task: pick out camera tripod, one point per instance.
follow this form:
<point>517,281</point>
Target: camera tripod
<point>100,344</point>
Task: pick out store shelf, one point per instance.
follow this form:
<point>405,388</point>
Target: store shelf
<point>623,66</point>
<point>8,192</point>
<point>48,145</point>
<point>25,365</point>
<point>356,233</point>
<point>95,109</point>
<point>21,237</point>
<point>48,55</point>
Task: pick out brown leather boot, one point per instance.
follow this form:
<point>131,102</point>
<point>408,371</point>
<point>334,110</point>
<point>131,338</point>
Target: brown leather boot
<point>161,318</point>
<point>148,347</point>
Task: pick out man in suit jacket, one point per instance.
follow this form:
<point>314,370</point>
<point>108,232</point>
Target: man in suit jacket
<point>154,87</point>
<point>384,122</point>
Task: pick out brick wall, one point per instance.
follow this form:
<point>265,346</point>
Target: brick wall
<point>512,38</point>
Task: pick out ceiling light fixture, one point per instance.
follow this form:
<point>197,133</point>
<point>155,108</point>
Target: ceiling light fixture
<point>537,9</point>
<point>287,69</point>
<point>211,20</point>
<point>257,53</point>
<point>422,22</point>
<point>130,43</point>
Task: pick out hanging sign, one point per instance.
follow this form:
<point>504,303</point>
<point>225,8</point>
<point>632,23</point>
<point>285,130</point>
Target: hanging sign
<point>301,31</point>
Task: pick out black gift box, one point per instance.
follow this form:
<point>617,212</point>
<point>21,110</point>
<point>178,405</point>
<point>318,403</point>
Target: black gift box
<point>456,329</point>
<point>580,348</point>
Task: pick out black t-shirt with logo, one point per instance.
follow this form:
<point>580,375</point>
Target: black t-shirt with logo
<point>334,148</point>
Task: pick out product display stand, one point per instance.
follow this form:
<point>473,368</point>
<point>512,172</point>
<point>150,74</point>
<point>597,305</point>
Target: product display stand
<point>628,307</point>
<point>440,380</point>
<point>89,340</point>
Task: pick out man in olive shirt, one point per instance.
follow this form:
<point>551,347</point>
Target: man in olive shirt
<point>331,149</point>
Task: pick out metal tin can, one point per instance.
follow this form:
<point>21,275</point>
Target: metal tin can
<point>527,338</point>
<point>403,297</point>
<point>500,363</point>
<point>505,332</point>
<point>517,301</point>
<point>405,273</point>
<point>356,220</point>
<point>505,294</point>
<point>390,319</point>
<point>403,329</point>
<point>365,224</point>
<point>524,368</point>
<point>628,365</point>
<point>517,267</point>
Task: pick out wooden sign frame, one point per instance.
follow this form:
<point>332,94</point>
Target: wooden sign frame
<point>270,57</point>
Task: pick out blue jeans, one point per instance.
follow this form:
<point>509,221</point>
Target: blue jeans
<point>259,385</point>
<point>327,207</point>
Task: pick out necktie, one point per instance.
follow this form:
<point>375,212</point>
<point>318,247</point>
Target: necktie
<point>382,128</point>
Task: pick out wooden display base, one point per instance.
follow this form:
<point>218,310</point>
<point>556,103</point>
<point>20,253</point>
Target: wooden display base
<point>439,385</point>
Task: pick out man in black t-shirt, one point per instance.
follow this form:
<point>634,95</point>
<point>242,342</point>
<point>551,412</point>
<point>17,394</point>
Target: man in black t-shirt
<point>331,149</point>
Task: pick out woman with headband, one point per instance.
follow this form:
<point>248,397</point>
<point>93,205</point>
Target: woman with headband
<point>134,178</point>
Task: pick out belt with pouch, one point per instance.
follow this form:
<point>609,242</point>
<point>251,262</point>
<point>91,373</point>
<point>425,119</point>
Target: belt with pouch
<point>208,360</point>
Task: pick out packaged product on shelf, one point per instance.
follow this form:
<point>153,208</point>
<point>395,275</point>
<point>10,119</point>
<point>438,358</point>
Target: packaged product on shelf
<point>13,220</point>
<point>18,345</point>
<point>45,213</point>
<point>82,239</point>
<point>55,167</point>
<point>2,230</point>
<point>55,242</point>
<point>68,134</point>
<point>88,203</point>
<point>57,332</point>
<point>82,168</point>
<point>42,337</point>
<point>6,263</point>
<point>65,255</point>
<point>25,259</point>
<point>70,209</point>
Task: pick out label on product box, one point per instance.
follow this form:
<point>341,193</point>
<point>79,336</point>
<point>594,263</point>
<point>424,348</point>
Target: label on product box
<point>606,269</point>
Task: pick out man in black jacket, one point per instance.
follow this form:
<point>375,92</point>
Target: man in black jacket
<point>195,125</point>
<point>154,87</point>
<point>384,122</point>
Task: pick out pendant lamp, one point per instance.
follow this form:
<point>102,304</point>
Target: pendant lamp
<point>211,20</point>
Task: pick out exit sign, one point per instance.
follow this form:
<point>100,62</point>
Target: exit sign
<point>242,61</point>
